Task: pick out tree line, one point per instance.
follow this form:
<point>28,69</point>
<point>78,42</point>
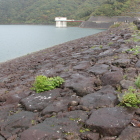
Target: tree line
<point>44,11</point>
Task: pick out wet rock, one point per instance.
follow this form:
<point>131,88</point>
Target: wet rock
<point>41,100</point>
<point>80,84</point>
<point>99,69</point>
<point>130,133</point>
<point>51,128</point>
<point>106,97</point>
<point>17,123</point>
<point>126,84</point>
<point>112,78</point>
<point>110,121</point>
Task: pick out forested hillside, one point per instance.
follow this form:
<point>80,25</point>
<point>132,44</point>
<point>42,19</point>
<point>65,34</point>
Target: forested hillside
<point>118,8</point>
<point>44,11</point>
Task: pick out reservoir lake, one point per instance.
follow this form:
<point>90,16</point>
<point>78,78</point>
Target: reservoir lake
<point>19,40</point>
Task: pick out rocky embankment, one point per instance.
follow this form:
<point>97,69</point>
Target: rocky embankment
<point>97,70</point>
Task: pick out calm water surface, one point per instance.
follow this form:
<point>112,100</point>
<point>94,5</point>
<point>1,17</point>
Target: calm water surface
<point>19,40</point>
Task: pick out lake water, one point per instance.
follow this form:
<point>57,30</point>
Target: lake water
<point>19,40</point>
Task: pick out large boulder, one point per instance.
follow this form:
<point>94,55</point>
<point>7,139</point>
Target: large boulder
<point>110,121</point>
<point>17,123</point>
<point>106,97</point>
<point>80,84</point>
<point>130,133</point>
<point>99,69</point>
<point>61,104</point>
<point>112,78</point>
<point>41,100</point>
<point>64,126</point>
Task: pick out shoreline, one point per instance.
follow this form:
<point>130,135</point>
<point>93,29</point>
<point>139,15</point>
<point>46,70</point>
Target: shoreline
<point>47,49</point>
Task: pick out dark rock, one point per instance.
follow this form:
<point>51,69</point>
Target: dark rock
<point>79,115</point>
<point>82,65</point>
<point>109,52</point>
<point>138,111</point>
<point>116,38</point>
<point>122,62</point>
<point>130,73</point>
<point>90,136</point>
<point>136,22</point>
<point>52,128</point>
<point>41,100</point>
<point>58,105</point>
<point>108,138</point>
<point>5,111</point>
<point>110,121</point>
<point>107,60</point>
<point>99,69</point>
<point>17,123</point>
<point>112,78</point>
<point>130,133</point>
<point>137,64</point>
<point>121,41</point>
<point>80,84</point>
<point>2,138</point>
<point>106,97</point>
<point>126,84</point>
<point>127,36</point>
<point>138,26</point>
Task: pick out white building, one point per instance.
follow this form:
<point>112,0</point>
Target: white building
<point>61,21</point>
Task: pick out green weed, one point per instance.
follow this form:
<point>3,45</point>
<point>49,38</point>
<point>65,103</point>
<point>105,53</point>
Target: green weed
<point>135,50</point>
<point>43,83</point>
<point>131,98</point>
<point>137,82</point>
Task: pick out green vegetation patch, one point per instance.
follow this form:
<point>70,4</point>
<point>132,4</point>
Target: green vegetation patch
<point>131,98</point>
<point>137,82</point>
<point>43,83</point>
<point>135,50</point>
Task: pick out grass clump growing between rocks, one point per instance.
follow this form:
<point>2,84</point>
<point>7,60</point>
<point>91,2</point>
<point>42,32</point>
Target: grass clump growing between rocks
<point>131,98</point>
<point>137,82</point>
<point>135,50</point>
<point>43,83</point>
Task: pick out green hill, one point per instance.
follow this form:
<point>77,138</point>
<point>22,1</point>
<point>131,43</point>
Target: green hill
<point>44,11</point>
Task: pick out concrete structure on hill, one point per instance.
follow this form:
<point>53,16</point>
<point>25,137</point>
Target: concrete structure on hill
<point>62,21</point>
<point>105,22</point>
